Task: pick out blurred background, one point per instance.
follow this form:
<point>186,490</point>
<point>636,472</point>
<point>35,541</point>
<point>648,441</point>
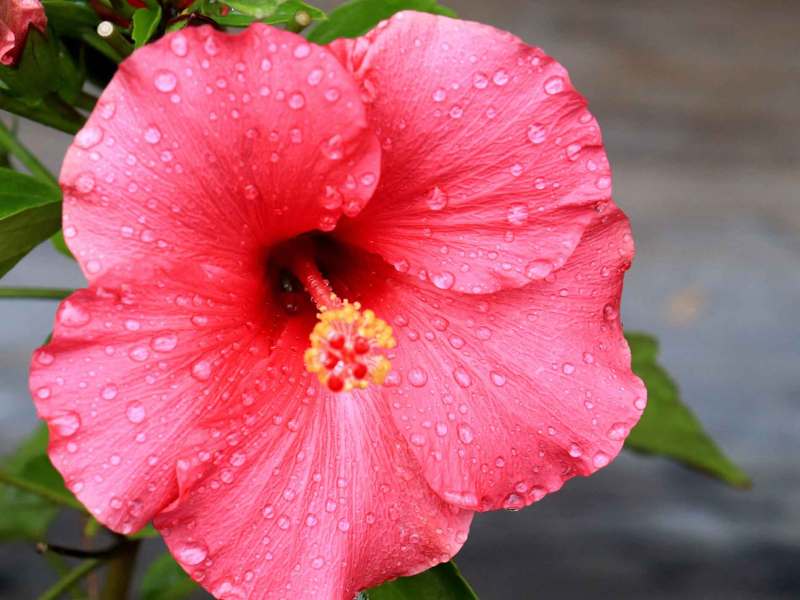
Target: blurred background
<point>699,106</point>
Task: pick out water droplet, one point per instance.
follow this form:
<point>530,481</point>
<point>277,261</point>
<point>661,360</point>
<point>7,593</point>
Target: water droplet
<point>437,200</point>
<point>344,525</point>
<point>600,459</point>
<point>302,51</point>
<point>73,315</point>
<point>191,553</point>
<point>417,439</point>
<point>554,85</point>
<point>465,433</point>
<point>297,101</point>
<point>517,214</point>
<point>139,353</point>
<point>152,135</point>
<point>89,137</point>
<point>66,423</point>
<point>201,370</point>
<point>135,412</point>
<point>609,313</point>
<point>417,377</point>
<point>568,368</point>
<point>538,269</point>
<point>588,358</point>
<point>314,77</point>
<point>500,77</point>
<point>462,377</point>
<point>334,148</point>
<point>537,133</point>
<point>178,45</point>
<point>439,95</point>
<point>443,280</point>
<point>165,81</point>
<point>480,80</point>
<point>109,392</point>
<point>618,431</point>
<point>498,379</point>
<point>318,562</point>
<point>84,183</point>
<point>575,451</point>
<point>166,342</point>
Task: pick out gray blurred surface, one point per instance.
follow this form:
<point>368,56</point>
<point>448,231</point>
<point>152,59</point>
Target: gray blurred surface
<point>699,106</point>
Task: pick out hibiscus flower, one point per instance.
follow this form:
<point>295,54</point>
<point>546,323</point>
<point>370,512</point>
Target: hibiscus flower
<point>340,298</point>
<point>16,16</point>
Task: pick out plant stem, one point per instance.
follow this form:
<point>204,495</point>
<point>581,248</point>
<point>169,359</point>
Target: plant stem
<point>99,44</point>
<point>39,490</point>
<point>70,579</point>
<point>120,571</point>
<point>35,293</point>
<point>10,142</point>
<point>60,567</point>
<point>61,120</point>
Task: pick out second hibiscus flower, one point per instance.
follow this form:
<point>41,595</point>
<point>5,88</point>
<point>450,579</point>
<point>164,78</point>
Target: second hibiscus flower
<point>339,299</point>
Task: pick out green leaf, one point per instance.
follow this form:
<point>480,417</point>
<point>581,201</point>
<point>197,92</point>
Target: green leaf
<point>70,17</point>
<point>145,23</point>
<point>284,13</point>
<point>22,514</point>
<point>165,580</point>
<point>357,17</point>
<point>443,582</point>
<point>255,8</point>
<point>668,427</point>
<point>30,212</point>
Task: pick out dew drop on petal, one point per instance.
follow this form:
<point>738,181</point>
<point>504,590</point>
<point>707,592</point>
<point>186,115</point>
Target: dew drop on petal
<point>554,85</point>
<point>297,101</point>
<point>89,137</point>
<point>437,200</point>
<point>109,392</point>
<point>538,269</point>
<point>165,81</point>
<point>73,315</point>
<point>66,423</point>
<point>462,377</point>
<point>201,370</point>
<point>517,214</point>
<point>600,459</point>
<point>498,379</point>
<point>500,77</point>
<point>152,135</point>
<point>417,377</point>
<point>191,553</point>
<point>139,353</point>
<point>178,45</point>
<point>537,133</point>
<point>465,433</point>
<point>618,431</point>
<point>135,412</point>
<point>166,342</point>
<point>443,280</point>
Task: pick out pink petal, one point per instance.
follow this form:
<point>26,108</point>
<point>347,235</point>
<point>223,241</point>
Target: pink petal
<point>125,379</point>
<point>306,495</point>
<point>16,16</point>
<point>504,397</point>
<point>491,162</point>
<point>208,147</point>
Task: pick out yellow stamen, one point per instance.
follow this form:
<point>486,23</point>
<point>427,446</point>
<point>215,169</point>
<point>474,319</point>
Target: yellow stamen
<point>348,346</point>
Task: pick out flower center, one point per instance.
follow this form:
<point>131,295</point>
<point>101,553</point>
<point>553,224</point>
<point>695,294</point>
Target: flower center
<point>348,343</point>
